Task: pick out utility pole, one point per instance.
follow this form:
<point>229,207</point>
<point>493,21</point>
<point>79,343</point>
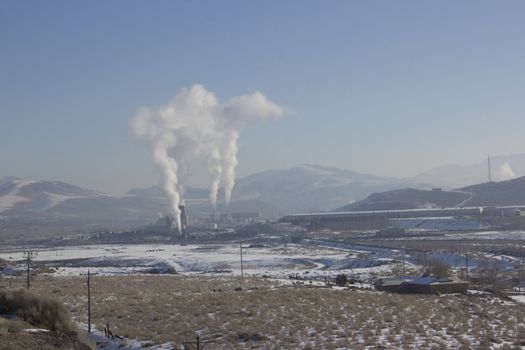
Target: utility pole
<point>89,296</point>
<point>519,278</point>
<point>466,262</point>
<point>242,268</point>
<point>403,262</point>
<point>490,170</point>
<point>198,344</point>
<point>28,255</point>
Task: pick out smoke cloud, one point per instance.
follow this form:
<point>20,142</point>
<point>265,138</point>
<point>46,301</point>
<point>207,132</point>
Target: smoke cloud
<point>505,172</point>
<point>195,124</point>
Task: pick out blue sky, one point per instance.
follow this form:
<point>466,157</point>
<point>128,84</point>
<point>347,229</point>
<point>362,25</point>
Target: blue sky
<point>384,87</point>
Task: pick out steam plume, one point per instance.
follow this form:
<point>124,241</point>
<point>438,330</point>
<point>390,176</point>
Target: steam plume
<point>506,172</point>
<point>194,124</point>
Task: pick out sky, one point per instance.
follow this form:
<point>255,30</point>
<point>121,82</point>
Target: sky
<point>383,87</point>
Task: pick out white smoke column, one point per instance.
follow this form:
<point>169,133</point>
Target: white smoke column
<point>215,168</point>
<point>171,181</point>
<point>506,172</point>
<point>178,132</point>
<point>236,113</point>
<point>195,125</point>
<point>230,163</point>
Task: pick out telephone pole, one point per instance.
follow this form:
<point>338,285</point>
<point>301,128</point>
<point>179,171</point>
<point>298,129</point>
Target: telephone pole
<point>403,262</point>
<point>198,344</point>
<point>242,268</point>
<point>466,262</point>
<point>28,255</point>
<point>519,278</point>
<point>89,296</point>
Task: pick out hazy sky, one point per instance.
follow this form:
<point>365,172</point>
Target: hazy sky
<point>384,87</point>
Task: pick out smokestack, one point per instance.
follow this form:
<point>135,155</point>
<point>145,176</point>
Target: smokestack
<point>183,217</point>
<point>194,124</point>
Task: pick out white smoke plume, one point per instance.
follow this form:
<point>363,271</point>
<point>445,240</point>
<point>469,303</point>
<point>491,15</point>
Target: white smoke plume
<point>505,172</point>
<point>194,124</point>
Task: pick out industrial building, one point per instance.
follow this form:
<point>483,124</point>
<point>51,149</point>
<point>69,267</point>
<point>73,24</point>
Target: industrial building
<point>236,217</point>
<point>423,285</point>
<point>381,219</point>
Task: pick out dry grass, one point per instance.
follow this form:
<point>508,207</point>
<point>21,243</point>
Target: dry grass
<point>263,315</point>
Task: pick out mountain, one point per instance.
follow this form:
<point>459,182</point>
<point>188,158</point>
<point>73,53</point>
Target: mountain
<point>296,189</point>
<point>510,192</point>
<point>53,206</point>
<point>43,208</point>
<point>504,167</point>
<point>313,188</point>
<point>408,198</point>
<point>38,196</point>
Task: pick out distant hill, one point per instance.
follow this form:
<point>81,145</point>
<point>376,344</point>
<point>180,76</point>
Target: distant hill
<point>504,167</point>
<point>408,198</point>
<point>38,196</point>
<point>44,207</point>
<point>53,206</point>
<point>511,192</point>
<point>295,189</point>
<point>306,187</point>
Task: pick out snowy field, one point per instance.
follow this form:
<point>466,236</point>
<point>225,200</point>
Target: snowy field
<point>476,235</point>
<point>209,298</point>
<point>308,258</point>
<point>312,258</point>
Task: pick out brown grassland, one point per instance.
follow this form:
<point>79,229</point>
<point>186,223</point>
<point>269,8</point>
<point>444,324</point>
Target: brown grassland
<point>259,313</point>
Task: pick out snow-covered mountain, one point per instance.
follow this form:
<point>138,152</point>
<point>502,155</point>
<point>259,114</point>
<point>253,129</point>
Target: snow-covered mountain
<point>502,193</point>
<point>504,167</point>
<point>38,196</point>
<point>314,188</point>
<point>57,205</point>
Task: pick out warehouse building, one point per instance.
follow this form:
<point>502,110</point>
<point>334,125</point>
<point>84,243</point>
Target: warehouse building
<point>423,285</point>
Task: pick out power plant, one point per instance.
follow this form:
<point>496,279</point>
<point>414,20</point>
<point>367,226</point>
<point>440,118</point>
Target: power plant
<point>381,219</point>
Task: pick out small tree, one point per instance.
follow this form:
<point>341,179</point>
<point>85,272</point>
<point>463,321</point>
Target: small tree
<point>341,279</point>
<point>488,270</point>
<point>424,261</point>
<point>439,268</point>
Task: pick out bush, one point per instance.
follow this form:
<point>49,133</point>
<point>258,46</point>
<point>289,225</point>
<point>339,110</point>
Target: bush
<point>341,279</point>
<point>439,268</point>
<point>37,310</point>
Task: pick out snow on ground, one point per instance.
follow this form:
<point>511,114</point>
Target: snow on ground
<point>438,224</point>
<point>104,343</point>
<point>519,298</point>
<point>478,235</point>
<point>313,258</point>
<point>309,257</point>
<point>9,192</point>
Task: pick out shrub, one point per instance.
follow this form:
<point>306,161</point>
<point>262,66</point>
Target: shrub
<point>341,279</point>
<point>37,310</point>
<point>439,268</point>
